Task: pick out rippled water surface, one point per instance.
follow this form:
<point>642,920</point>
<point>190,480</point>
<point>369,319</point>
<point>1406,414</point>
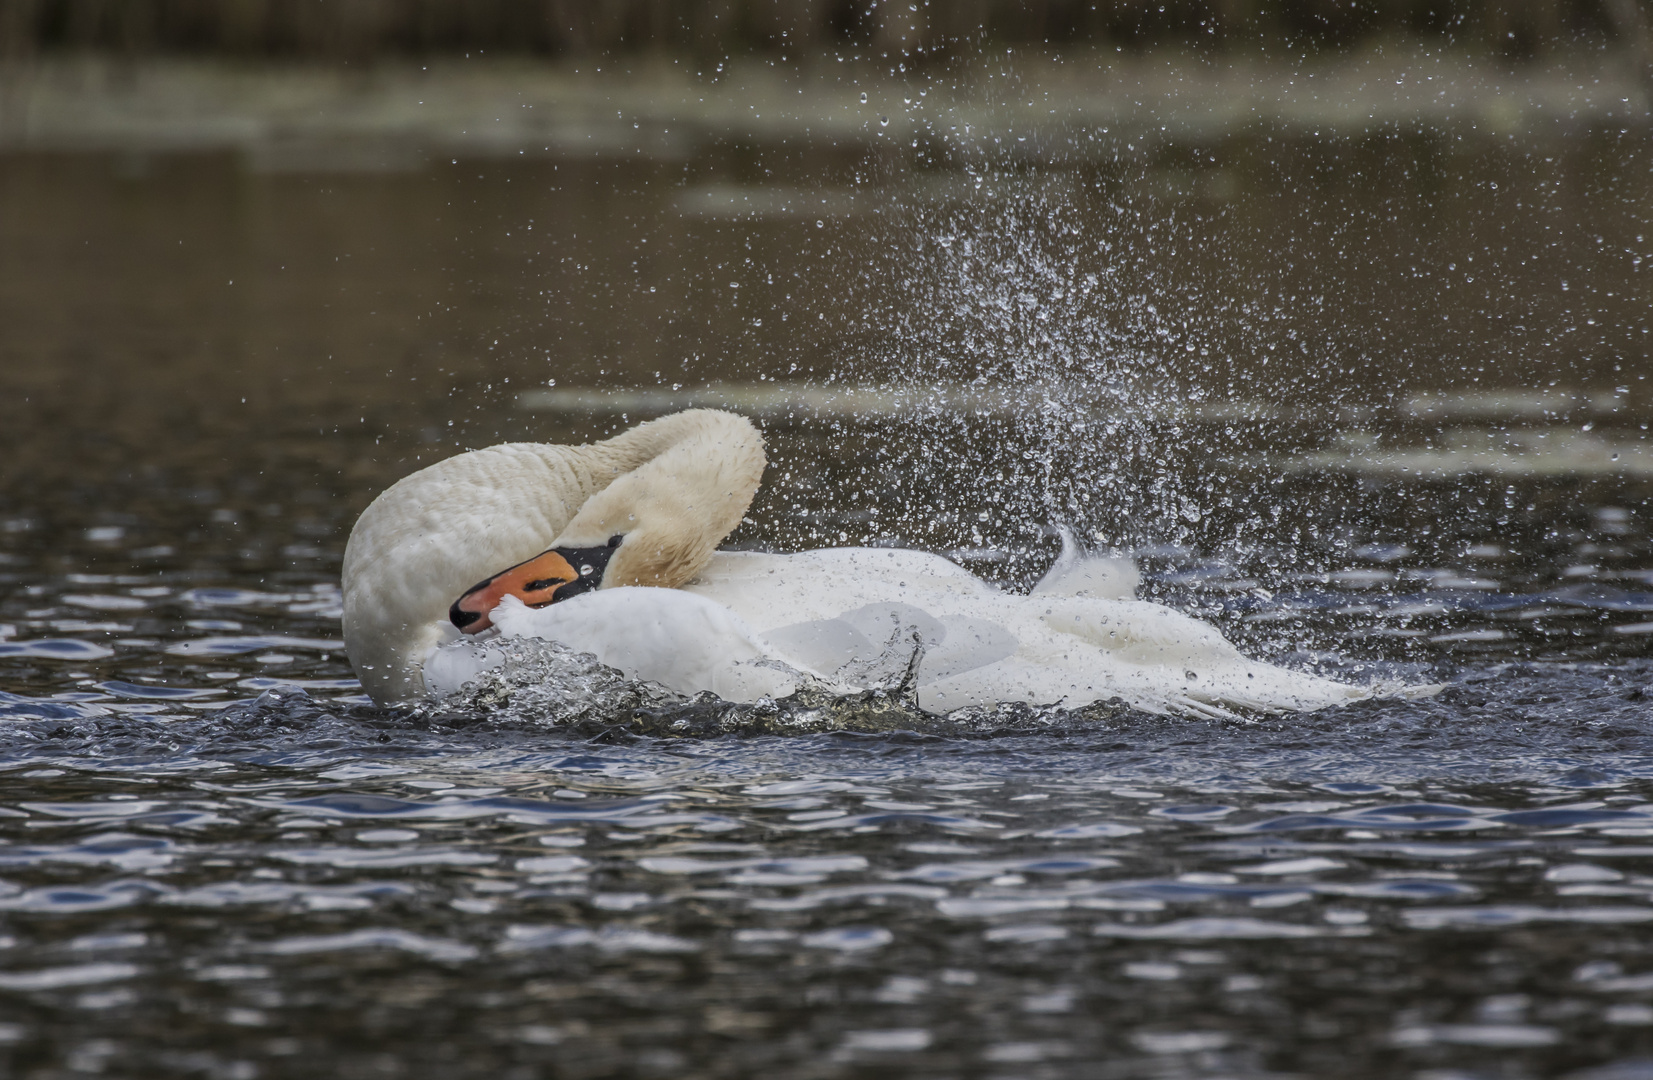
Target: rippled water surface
<point>1293,402</point>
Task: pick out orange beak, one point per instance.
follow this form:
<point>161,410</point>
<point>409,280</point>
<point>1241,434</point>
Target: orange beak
<point>534,582</point>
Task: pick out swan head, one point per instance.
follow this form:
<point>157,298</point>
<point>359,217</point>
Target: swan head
<point>671,489</point>
<point>555,574</point>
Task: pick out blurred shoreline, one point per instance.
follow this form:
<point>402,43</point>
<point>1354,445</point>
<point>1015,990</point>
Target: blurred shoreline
<point>352,31</point>
<point>1010,105</point>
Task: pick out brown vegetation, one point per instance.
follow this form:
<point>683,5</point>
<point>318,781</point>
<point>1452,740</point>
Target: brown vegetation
<point>364,29</point>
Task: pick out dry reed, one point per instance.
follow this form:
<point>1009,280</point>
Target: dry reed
<point>360,30</point>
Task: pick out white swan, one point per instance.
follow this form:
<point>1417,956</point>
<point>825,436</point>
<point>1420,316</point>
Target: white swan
<point>610,548</point>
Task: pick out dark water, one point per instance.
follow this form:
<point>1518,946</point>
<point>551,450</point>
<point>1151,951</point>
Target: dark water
<point>1270,369</point>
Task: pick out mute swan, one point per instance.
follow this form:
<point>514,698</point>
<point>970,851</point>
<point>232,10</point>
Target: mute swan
<point>630,573</point>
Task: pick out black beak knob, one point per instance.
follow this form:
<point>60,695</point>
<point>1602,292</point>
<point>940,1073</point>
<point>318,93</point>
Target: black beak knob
<point>460,617</point>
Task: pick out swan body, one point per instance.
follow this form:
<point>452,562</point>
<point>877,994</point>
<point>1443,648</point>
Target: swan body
<point>632,576</point>
<point>755,625</point>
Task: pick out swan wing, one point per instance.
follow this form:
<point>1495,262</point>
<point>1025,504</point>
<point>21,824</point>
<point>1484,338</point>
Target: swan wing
<point>685,642</point>
<point>771,591</point>
<point>1164,659</point>
<point>858,615</point>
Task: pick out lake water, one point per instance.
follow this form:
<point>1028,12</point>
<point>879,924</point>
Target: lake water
<point>1376,406</point>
